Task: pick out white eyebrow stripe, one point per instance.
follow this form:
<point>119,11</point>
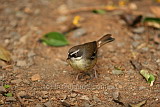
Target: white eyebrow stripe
<point>75,52</point>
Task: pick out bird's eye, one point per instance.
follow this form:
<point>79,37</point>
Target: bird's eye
<point>73,55</point>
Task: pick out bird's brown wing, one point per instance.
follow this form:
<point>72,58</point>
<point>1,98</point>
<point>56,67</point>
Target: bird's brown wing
<point>90,50</point>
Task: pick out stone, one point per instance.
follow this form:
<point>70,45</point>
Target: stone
<point>61,19</point>
<point>117,72</point>
<point>35,77</point>
<point>39,105</point>
<point>26,82</point>
<point>96,99</point>
<point>31,54</point>
<point>138,30</point>
<point>14,23</point>
<point>22,94</point>
<point>79,32</point>
<point>86,104</point>
<point>10,99</point>
<point>1,78</point>
<point>44,92</point>
<point>133,6</point>
<point>73,95</point>
<point>48,104</point>
<point>107,78</point>
<point>136,37</point>
<point>142,87</point>
<point>17,81</point>
<point>84,97</point>
<point>135,44</point>
<point>2,90</point>
<point>110,87</point>
<point>116,95</point>
<point>21,63</point>
<point>65,104</point>
<point>45,97</point>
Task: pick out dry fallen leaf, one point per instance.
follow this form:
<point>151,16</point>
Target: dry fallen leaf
<point>76,21</point>
<point>155,10</point>
<point>5,54</point>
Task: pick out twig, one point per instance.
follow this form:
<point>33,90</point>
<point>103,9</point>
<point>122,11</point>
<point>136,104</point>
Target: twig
<point>20,100</point>
<point>84,9</point>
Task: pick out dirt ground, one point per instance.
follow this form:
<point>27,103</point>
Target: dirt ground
<point>39,75</point>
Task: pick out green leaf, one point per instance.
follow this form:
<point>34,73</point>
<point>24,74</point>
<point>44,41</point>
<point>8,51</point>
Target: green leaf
<point>151,19</point>
<point>149,77</point>
<point>6,86</point>
<point>8,95</point>
<point>54,39</point>
<point>99,11</point>
<point>152,22</point>
<point>5,54</point>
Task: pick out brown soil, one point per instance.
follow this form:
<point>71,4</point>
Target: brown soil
<point>23,23</point>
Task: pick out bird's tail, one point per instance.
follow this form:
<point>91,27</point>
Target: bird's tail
<point>105,39</point>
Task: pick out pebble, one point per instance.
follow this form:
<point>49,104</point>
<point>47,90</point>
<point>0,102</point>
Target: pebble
<point>22,94</point>
<point>63,9</point>
<point>106,93</point>
<point>133,6</point>
<point>21,63</point>
<point>138,30</point>
<point>84,97</point>
<point>86,104</point>
<point>14,36</point>
<point>2,89</point>
<point>13,23</point>
<point>17,81</point>
<point>79,32</point>
<point>61,19</point>
<point>1,78</point>
<point>10,99</point>
<point>136,37</point>
<point>48,104</point>
<point>8,10</point>
<point>73,95</point>
<point>39,105</point>
<point>157,38</point>
<point>110,87</point>
<point>142,88</point>
<point>20,14</point>
<point>135,44</point>
<point>136,64</point>
<point>107,78</point>
<point>145,49</point>
<point>65,104</point>
<point>116,95</point>
<point>130,71</point>
<point>44,92</point>
<point>31,54</point>
<point>23,39</point>
<point>37,12</point>
<point>45,96</point>
<point>117,72</point>
<point>96,99</point>
<point>35,77</point>
<point>26,82</point>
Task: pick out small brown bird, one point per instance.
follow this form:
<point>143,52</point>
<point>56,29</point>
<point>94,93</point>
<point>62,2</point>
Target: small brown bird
<point>84,57</point>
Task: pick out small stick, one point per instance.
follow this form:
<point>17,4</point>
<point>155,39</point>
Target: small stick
<point>20,100</point>
<point>84,9</point>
